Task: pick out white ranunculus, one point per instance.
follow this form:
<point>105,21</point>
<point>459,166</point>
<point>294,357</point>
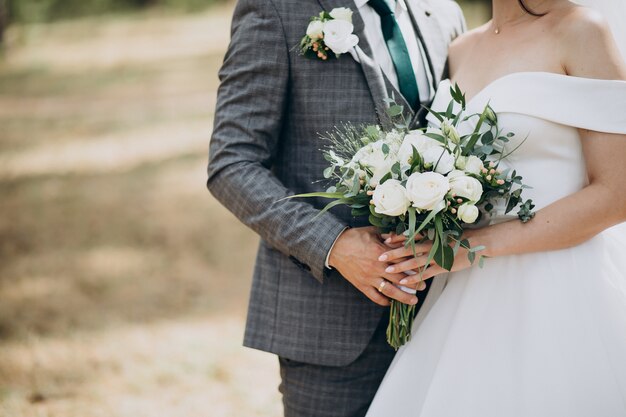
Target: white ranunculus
<point>338,36</point>
<point>417,140</point>
<point>464,186</point>
<point>440,158</point>
<point>427,191</point>
<point>315,30</point>
<point>341,13</point>
<point>473,165</point>
<point>467,213</point>
<point>390,198</point>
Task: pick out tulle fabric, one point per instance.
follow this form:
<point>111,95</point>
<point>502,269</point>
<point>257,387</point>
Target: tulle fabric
<point>534,335</point>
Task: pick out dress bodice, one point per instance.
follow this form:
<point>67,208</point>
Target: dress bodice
<point>545,112</point>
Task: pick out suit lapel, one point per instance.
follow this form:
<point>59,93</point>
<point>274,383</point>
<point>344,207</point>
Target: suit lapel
<point>430,33</point>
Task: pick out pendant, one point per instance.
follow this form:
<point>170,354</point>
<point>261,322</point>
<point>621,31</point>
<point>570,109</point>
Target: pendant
<point>497,31</point>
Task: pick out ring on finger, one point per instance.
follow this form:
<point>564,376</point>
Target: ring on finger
<point>382,284</point>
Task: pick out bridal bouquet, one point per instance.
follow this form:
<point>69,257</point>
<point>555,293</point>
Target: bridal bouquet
<point>425,184</point>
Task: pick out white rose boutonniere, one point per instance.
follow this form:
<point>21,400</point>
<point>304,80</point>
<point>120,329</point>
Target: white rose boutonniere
<point>341,13</point>
<point>329,32</point>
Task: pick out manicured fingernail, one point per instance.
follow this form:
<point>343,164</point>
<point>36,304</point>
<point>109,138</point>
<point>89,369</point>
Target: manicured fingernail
<point>383,257</point>
<point>403,281</point>
<point>388,240</point>
<point>389,269</point>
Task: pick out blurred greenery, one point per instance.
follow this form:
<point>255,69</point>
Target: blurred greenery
<point>29,11</point>
<point>41,11</point>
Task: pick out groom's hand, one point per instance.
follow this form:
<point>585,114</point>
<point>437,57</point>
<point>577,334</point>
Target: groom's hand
<point>355,255</point>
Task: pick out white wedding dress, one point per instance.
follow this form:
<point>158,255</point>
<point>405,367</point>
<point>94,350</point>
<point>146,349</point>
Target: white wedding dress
<point>535,335</point>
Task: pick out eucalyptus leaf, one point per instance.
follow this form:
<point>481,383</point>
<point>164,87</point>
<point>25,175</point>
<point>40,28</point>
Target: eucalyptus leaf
<point>444,256</point>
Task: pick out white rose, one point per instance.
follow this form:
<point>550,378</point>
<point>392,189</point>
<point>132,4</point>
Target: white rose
<point>390,198</point>
<point>440,158</point>
<point>341,13</point>
<point>463,186</point>
<point>427,190</point>
<point>473,165</point>
<point>338,36</point>
<point>417,140</point>
<point>315,30</point>
<point>467,213</point>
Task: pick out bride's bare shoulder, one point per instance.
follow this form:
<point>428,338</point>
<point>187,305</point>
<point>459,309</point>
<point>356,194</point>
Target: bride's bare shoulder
<point>587,44</point>
<point>463,45</point>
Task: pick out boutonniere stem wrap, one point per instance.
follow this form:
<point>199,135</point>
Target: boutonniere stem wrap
<point>329,34</point>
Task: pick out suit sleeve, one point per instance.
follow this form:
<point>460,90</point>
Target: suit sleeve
<point>248,121</point>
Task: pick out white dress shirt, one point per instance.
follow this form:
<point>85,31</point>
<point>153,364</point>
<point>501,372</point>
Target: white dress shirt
<point>374,35</point>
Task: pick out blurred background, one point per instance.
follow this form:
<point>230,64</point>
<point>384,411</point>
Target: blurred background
<point>123,284</point>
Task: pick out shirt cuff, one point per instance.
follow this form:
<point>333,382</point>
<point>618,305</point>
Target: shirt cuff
<point>331,249</point>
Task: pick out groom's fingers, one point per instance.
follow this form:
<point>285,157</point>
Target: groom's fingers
<point>390,276</point>
<point>373,294</point>
<point>391,291</point>
<point>397,294</point>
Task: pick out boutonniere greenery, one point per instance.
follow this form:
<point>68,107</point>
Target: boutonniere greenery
<point>329,34</point>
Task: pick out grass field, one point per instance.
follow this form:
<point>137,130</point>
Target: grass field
<point>123,284</point>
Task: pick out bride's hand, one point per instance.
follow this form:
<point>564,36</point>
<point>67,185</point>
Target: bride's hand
<point>403,260</point>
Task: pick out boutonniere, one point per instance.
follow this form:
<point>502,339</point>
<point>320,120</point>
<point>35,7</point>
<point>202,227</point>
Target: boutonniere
<point>329,32</point>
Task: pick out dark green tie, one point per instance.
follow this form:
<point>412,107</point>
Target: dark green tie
<point>398,51</point>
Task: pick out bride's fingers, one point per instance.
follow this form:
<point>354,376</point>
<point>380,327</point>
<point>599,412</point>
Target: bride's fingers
<point>393,238</point>
<point>432,271</point>
<point>403,252</point>
<point>397,261</point>
<point>407,265</point>
<point>420,286</point>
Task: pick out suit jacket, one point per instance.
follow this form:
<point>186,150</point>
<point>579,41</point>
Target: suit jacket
<point>272,104</point>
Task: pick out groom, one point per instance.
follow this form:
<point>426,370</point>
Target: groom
<point>319,292</point>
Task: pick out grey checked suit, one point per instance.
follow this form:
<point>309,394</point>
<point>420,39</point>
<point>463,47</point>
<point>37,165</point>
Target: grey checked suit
<point>272,103</point>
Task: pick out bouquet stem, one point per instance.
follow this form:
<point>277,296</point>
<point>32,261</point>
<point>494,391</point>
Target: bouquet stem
<point>400,323</point>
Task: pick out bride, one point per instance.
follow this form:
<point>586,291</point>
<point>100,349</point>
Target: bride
<point>540,330</point>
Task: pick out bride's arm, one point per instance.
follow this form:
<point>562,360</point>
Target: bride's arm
<point>591,53</point>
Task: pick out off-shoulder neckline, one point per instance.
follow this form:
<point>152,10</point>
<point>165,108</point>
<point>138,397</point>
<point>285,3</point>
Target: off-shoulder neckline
<point>508,76</point>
